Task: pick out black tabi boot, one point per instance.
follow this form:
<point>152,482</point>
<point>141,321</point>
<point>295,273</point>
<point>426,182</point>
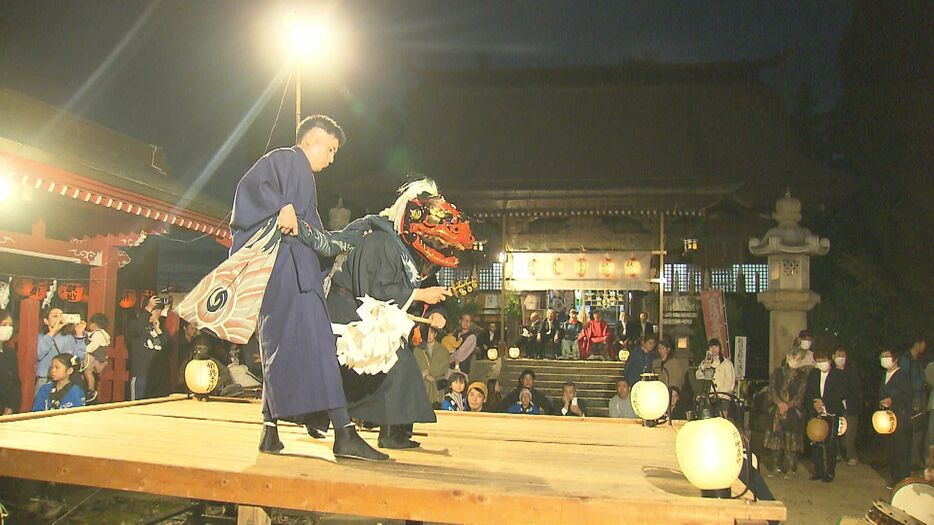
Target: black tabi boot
<point>314,432</point>
<point>316,424</point>
<point>349,444</point>
<point>269,441</point>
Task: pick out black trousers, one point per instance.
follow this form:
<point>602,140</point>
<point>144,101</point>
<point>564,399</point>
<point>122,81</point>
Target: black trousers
<point>898,449</point>
<point>825,454</point>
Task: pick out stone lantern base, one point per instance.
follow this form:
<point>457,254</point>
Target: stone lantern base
<point>787,317</point>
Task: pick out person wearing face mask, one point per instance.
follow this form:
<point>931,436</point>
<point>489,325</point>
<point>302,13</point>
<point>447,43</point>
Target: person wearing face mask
<point>804,342</point>
<point>895,395</point>
<point>826,390</point>
<point>717,369</point>
<point>852,404</point>
<point>785,436</point>
<point>9,371</point>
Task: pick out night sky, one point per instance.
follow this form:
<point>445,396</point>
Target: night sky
<point>183,74</point>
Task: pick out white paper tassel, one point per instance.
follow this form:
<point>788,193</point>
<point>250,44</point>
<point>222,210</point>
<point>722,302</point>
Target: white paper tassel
<point>369,345</point>
<point>4,294</point>
<point>48,297</point>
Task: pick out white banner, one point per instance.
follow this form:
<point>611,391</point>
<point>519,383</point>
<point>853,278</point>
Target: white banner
<point>739,362</point>
<point>529,271</point>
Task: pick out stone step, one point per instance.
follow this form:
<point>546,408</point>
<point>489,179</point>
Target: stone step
<point>549,363</point>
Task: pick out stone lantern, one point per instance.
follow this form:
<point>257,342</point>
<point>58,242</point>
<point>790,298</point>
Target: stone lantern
<point>789,248</point>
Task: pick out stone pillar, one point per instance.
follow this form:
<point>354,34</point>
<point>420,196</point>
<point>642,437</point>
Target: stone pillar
<point>789,248</point>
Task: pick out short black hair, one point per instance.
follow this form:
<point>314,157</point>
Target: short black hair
<point>526,372</point>
<point>100,320</point>
<point>570,383</point>
<point>650,337</point>
<point>322,122</point>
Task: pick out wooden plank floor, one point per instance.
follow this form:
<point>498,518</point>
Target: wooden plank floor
<point>472,468</point>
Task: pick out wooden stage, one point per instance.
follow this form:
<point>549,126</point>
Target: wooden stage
<point>472,468</point>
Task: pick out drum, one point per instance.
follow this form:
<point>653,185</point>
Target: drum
<point>881,513</point>
<point>915,496</point>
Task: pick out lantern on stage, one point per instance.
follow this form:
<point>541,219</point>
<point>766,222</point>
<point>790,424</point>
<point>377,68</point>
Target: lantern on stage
<point>580,266</point>
<point>557,266</point>
<point>492,354</point>
<point>632,267</point>
<point>650,398</point>
<point>817,430</point>
<point>129,299</point>
<point>513,352</point>
<point>710,454</point>
<point>201,376</point>
<point>884,421</point>
<point>623,355</point>
<point>606,267</point>
<point>71,292</point>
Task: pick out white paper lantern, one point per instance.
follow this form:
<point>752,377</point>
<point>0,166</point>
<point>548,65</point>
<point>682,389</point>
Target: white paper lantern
<point>710,453</point>
<point>884,421</point>
<point>514,352</point>
<point>650,398</point>
<point>841,426</point>
<point>201,376</point>
<point>492,354</point>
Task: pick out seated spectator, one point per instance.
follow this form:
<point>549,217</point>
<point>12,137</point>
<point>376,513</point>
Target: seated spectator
<point>524,405</point>
<point>61,392</point>
<point>670,367</point>
<point>240,373</point>
<point>454,400</point>
<point>95,359</point>
<point>549,336</point>
<point>528,340</point>
<point>571,329</point>
<point>677,408</point>
<point>60,338</point>
<point>476,396</point>
<point>495,388</point>
<point>466,344</point>
<point>9,370</point>
<point>570,405</point>
<point>527,382</point>
<point>595,338</point>
<point>489,338</point>
<point>620,404</point>
<point>432,359</point>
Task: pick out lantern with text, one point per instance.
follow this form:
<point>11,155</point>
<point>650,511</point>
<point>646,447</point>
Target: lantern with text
<point>632,267</point>
<point>650,399</point>
<point>533,267</point>
<point>710,453</point>
<point>606,267</point>
<point>492,354</point>
<point>884,421</point>
<point>557,266</point>
<point>514,352</point>
<point>201,376</point>
<point>581,266</point>
<point>39,290</point>
<point>841,426</point>
<point>71,292</point>
<point>129,299</point>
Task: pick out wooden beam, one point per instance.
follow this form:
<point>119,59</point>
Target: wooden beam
<point>27,343</point>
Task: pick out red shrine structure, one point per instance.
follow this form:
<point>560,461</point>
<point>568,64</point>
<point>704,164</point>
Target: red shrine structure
<point>79,198</point>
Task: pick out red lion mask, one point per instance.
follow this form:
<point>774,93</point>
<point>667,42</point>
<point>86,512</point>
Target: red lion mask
<point>436,229</point>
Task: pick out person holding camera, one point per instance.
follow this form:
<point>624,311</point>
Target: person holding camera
<point>569,405</point>
<point>64,335</point>
<point>145,340</point>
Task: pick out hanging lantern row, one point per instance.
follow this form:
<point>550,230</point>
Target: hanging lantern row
<point>581,266</point>
<point>606,267</point>
<point>632,268</point>
<point>71,292</point>
<point>577,213</point>
<point>132,298</point>
<point>27,288</point>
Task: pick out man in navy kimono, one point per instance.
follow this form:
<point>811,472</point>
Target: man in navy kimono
<point>301,375</point>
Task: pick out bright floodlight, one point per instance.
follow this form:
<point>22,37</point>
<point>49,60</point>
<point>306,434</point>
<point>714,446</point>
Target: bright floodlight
<point>310,37</point>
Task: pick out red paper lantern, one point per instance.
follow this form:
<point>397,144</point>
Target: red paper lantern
<point>39,290</point>
<point>23,287</point>
<point>71,292</point>
<point>129,299</point>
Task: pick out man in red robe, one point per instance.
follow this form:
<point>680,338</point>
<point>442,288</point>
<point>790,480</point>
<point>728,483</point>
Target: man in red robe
<point>595,338</point>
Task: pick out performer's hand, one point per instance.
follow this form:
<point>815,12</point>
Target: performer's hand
<point>288,222</point>
<point>437,321</point>
<point>432,294</point>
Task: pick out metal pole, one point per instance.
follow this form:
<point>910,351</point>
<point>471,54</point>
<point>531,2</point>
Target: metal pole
<point>298,95</point>
<point>502,288</point>
<point>661,275</point>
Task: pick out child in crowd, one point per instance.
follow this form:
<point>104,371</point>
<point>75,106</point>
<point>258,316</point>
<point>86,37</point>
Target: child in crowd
<point>454,400</point>
<point>61,392</point>
<point>96,353</point>
<point>524,405</point>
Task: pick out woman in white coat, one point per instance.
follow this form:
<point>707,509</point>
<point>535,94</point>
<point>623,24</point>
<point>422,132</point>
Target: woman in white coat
<point>719,371</point>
